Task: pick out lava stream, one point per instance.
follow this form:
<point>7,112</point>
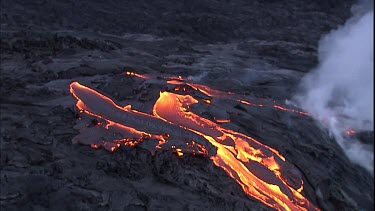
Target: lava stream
<point>129,122</point>
<point>236,158</point>
<point>260,170</point>
<point>229,95</point>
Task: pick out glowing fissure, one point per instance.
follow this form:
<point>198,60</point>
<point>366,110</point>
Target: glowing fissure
<point>229,95</point>
<point>257,168</point>
<point>216,93</point>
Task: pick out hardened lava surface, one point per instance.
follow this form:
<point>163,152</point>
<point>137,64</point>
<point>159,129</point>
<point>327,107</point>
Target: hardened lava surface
<point>226,48</point>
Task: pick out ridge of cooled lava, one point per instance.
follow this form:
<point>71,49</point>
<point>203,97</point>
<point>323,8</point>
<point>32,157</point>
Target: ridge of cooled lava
<point>175,105</point>
<point>261,171</point>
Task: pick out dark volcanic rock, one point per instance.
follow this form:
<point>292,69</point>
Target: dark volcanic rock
<point>366,137</point>
<point>212,20</point>
<point>256,48</point>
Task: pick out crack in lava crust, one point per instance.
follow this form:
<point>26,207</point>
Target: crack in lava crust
<point>260,170</point>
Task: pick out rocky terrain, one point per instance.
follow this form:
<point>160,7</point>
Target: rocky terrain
<point>258,49</point>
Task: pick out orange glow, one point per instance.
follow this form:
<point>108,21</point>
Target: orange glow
<point>291,110</point>
<point>257,168</point>
<point>94,146</point>
<point>141,76</point>
<point>274,106</point>
<point>178,78</point>
<point>279,107</point>
<point>280,196</point>
<point>204,89</point>
<point>206,101</point>
<point>301,188</point>
<point>222,120</point>
<point>247,103</point>
<point>350,131</point>
<point>216,93</point>
<point>179,152</point>
<point>175,82</point>
<point>137,75</point>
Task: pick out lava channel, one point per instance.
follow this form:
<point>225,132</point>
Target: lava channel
<point>229,95</point>
<point>261,171</point>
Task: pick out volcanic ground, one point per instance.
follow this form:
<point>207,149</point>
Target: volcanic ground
<point>226,66</point>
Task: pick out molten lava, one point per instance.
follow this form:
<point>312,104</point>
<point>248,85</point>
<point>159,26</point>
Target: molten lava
<point>239,157</point>
<point>129,73</point>
<point>261,171</point>
<point>228,95</point>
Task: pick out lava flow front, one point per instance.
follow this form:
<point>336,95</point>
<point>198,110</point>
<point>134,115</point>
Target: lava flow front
<point>262,172</point>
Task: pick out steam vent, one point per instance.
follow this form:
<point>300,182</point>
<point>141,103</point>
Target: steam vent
<point>187,105</point>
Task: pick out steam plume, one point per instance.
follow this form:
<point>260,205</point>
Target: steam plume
<point>339,91</point>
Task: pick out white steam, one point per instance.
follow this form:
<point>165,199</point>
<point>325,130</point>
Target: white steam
<point>339,92</point>
<point>199,77</point>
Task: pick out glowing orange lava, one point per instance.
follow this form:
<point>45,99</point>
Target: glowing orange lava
<point>260,170</point>
<point>222,120</point>
<point>275,106</point>
<point>129,73</point>
<point>235,158</point>
<point>219,94</point>
<point>129,122</point>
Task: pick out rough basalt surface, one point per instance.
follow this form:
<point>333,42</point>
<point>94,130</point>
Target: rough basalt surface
<point>260,49</point>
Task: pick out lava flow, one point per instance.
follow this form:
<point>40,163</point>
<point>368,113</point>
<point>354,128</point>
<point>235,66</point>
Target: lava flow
<point>262,172</point>
<point>129,126</point>
<point>130,73</point>
<point>229,95</point>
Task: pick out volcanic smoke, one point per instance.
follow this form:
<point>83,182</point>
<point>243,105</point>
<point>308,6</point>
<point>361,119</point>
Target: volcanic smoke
<point>339,91</point>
